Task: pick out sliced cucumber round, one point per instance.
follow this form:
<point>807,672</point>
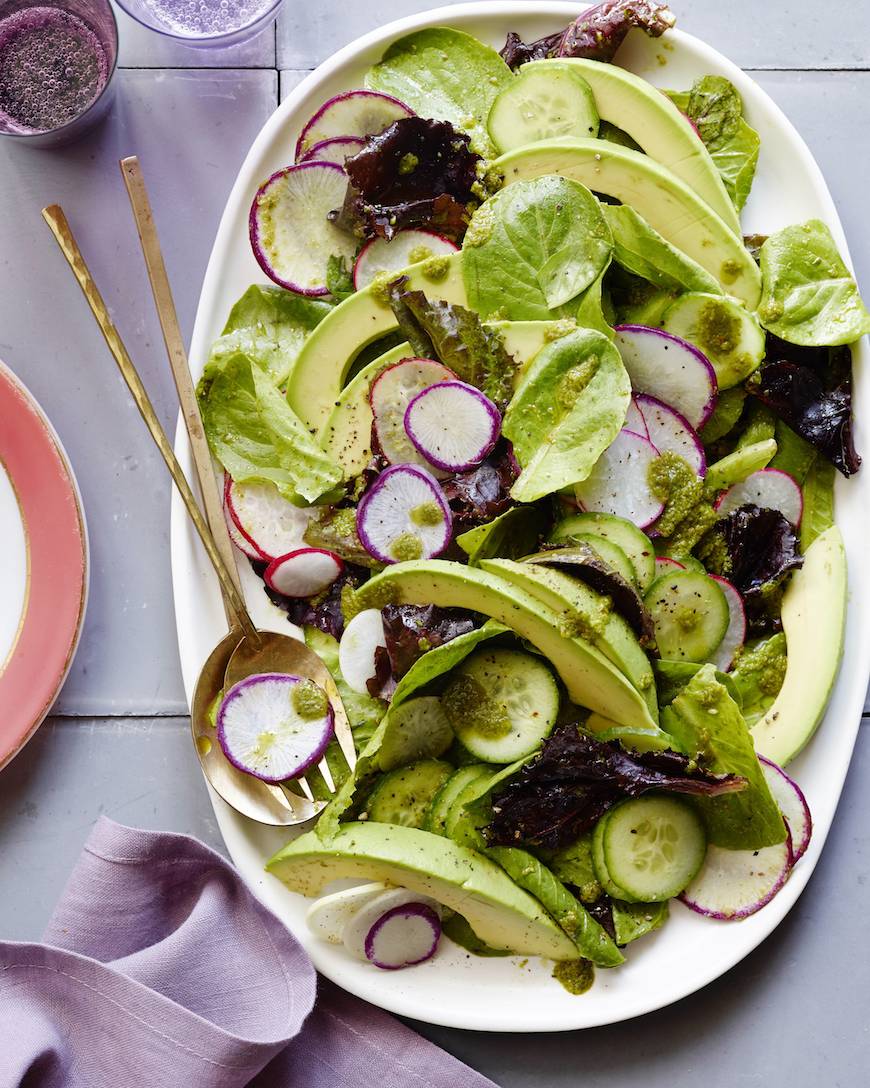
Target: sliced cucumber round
<point>727,333</point>
<point>633,542</point>
<point>690,615</point>
<point>652,847</point>
<point>502,704</point>
<point>436,815</point>
<point>403,796</point>
<point>416,729</point>
<point>540,105</point>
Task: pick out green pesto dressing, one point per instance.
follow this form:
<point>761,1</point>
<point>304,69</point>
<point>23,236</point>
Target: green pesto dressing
<point>406,547</point>
<point>434,269</point>
<point>427,514</point>
<point>466,703</point>
<point>767,662</point>
<point>408,163</point>
<point>687,515</point>
<point>577,976</point>
<point>574,381</point>
<point>309,700</point>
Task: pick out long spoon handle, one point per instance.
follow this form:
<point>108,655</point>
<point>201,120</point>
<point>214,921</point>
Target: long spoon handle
<point>63,234</point>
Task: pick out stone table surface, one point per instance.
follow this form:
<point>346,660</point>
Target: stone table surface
<point>792,1014</point>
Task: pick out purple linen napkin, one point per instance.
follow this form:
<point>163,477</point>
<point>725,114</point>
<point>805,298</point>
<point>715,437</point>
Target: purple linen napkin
<point>161,970</point>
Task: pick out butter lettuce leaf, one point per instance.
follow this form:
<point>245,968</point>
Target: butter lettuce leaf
<point>640,249</point>
<point>634,920</point>
<point>534,247</point>
<point>815,475</point>
<point>511,535</point>
<point>255,434</point>
<point>568,408</point>
<point>442,659</point>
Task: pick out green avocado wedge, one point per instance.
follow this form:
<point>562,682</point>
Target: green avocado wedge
<point>655,124</point>
<point>670,207</point>
<point>814,618</point>
<point>499,912</point>
<point>590,679</point>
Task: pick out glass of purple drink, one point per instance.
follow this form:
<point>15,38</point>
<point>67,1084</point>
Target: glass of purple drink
<point>57,59</point>
<point>204,23</point>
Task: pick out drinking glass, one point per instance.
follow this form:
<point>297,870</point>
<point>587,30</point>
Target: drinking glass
<point>204,23</point>
<point>57,62</point>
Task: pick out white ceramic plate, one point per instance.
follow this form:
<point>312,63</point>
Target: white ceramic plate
<point>509,994</point>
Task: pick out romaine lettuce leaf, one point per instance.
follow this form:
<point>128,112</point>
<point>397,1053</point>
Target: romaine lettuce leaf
<point>643,251</point>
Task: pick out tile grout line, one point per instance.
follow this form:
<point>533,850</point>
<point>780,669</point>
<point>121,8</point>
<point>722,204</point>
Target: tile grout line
<point>291,68</point>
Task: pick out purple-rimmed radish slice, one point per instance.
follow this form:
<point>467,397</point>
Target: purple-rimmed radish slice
<point>792,804</point>
<point>766,487</point>
<point>270,524</point>
<point>404,515</point>
<point>291,236</point>
<point>334,150</point>
<point>452,425</point>
<point>367,936</point>
<point>671,432</point>
<point>352,113</point>
<point>735,633</point>
<point>670,369</point>
<point>619,483</point>
<point>359,644</point>
<point>733,884</point>
<point>665,565</point>
<point>634,420</point>
<point>391,393</point>
<point>274,726</point>
<point>405,248</point>
<point>246,547</point>
<point>304,572</point>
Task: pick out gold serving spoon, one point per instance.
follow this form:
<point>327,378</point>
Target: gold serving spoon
<point>258,651</point>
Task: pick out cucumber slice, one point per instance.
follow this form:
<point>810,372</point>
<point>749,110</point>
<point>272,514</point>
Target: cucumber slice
<point>502,704</point>
<point>538,105</point>
<point>690,615</point>
<point>403,796</point>
<point>727,333</point>
<point>609,553</point>
<point>442,802</point>
<point>634,543</point>
<point>473,789</point>
<point>599,863</point>
<point>652,847</point>
<point>417,729</point>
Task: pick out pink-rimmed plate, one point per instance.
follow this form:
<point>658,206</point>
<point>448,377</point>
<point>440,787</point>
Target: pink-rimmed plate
<point>43,565</point>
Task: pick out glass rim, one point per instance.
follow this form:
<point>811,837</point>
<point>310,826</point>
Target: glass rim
<point>199,39</point>
<point>52,132</point>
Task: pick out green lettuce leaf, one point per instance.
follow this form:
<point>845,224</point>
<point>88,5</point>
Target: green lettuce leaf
<point>644,252</point>
<point>816,476</point>
<point>460,932</point>
<point>705,720</point>
<point>809,296</point>
<point>442,659</point>
<point>255,434</point>
<point>511,535</point>
<point>634,920</point>
<point>573,865</point>
<point>594,311</point>
<point>568,408</point>
<point>446,75</point>
<point>534,247</point>
<point>758,676</point>
<point>339,281</point>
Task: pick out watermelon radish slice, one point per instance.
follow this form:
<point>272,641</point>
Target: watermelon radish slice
<point>391,393</point>
<point>766,487</point>
<point>304,572</point>
<point>359,644</point>
<point>335,150</point>
<point>735,632</point>
<point>793,806</point>
<point>452,425</point>
<point>405,248</point>
<point>291,236</point>
<point>733,884</point>
<point>670,369</point>
<point>619,483</point>
<point>404,515</point>
<point>274,726</point>
<point>402,944</point>
<point>352,113</point>
<point>634,420</point>
<point>245,546</point>
<point>269,524</point>
<point>665,565</point>
<point>670,432</point>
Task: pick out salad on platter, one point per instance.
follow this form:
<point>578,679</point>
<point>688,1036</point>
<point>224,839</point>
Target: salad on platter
<point>538,451</point>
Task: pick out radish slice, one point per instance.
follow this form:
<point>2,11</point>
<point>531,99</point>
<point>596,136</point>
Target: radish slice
<point>405,248</point>
<point>619,483</point>
<point>391,393</point>
<point>274,726</point>
<point>353,113</point>
<point>335,150</point>
<point>767,487</point>
<point>670,369</point>
<point>404,515</point>
<point>403,937</point>
<point>358,928</point>
<point>291,236</point>
<point>634,420</point>
<point>328,915</point>
<point>303,573</point>
<point>666,565</point>
<point>670,432</point>
<point>270,524</point>
<point>735,632</point>
<point>453,425</point>
<point>245,546</point>
<point>358,646</point>
<point>733,884</point>
<point>793,806</point>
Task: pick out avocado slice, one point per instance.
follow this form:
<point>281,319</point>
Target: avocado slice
<point>322,366</point>
<point>655,124</point>
<point>591,680</point>
<point>499,912</point>
<point>814,620</point>
<point>666,202</point>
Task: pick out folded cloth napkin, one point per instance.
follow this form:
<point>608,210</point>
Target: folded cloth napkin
<point>161,970</point>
